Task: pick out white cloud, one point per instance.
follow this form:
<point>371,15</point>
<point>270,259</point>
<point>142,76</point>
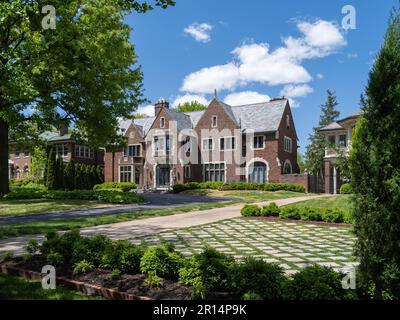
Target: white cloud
<point>199,31</point>
<point>257,63</point>
<point>147,110</point>
<point>352,55</point>
<point>189,98</point>
<point>320,76</point>
<point>293,91</point>
<point>245,97</point>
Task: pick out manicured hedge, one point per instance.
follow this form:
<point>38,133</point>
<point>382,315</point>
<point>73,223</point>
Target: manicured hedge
<point>110,196</point>
<point>239,186</point>
<point>332,215</point>
<point>122,186</point>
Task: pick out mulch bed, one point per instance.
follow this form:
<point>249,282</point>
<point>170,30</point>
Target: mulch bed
<point>322,223</point>
<point>127,287</point>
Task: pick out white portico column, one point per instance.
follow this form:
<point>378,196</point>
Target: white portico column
<point>334,180</point>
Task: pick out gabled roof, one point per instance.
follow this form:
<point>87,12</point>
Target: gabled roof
<point>55,136</point>
<point>337,125</point>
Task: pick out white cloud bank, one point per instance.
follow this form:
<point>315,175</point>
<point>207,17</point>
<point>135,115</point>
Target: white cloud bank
<point>199,31</point>
<point>293,91</point>
<point>257,63</point>
<point>245,97</point>
<point>147,110</point>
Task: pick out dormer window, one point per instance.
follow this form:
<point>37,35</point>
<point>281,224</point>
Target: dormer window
<point>162,122</point>
<point>214,121</point>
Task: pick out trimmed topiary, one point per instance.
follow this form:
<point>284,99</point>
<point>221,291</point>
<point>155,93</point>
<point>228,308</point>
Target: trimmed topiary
<point>271,210</point>
<point>250,210</point>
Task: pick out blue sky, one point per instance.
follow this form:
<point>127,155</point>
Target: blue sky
<point>257,49</point>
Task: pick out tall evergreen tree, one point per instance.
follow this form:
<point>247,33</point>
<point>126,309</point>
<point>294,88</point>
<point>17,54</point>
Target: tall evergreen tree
<point>315,152</point>
<point>100,174</point>
<point>375,171</point>
<point>69,175</point>
<point>60,173</point>
<point>78,176</point>
<point>51,170</point>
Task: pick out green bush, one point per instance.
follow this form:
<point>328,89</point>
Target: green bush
<point>271,210</point>
<point>112,196</point>
<point>31,247</point>
<point>317,283</point>
<point>61,245</point>
<point>114,275</point>
<point>290,213</point>
<point>256,276</point>
<point>20,193</point>
<point>55,258</point>
<point>90,249</point>
<point>122,186</point>
<point>154,281</point>
<point>123,256</point>
<point>311,214</point>
<point>238,186</point>
<point>250,210</point>
<point>162,261</point>
<point>207,271</point>
<point>83,267</point>
<point>345,189</point>
<point>333,215</point>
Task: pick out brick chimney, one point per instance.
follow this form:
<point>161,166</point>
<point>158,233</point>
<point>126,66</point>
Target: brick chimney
<point>162,103</point>
<point>63,129</point>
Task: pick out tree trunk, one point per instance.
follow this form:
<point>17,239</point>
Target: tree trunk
<point>3,157</point>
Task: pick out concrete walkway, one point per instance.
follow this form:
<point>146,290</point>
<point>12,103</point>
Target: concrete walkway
<point>149,226</point>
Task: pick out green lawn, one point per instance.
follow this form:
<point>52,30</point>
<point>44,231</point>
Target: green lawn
<point>14,288</point>
<point>247,195</point>
<point>13,230</point>
<point>340,201</point>
<point>22,207</point>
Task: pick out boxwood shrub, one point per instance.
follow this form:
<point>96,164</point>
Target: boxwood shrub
<point>346,189</point>
<point>271,210</point>
<point>290,213</point>
<point>122,186</point>
<point>250,210</point>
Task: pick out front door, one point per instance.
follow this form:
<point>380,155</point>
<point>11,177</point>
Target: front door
<point>163,176</point>
<point>257,173</point>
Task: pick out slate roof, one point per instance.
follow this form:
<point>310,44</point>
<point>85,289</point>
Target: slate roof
<point>336,125</point>
<point>55,136</point>
<point>260,117</point>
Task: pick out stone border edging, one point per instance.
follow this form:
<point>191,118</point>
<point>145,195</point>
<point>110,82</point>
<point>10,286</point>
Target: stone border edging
<point>83,287</point>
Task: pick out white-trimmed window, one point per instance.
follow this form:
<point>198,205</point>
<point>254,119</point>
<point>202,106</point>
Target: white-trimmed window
<point>227,143</point>
<point>187,171</point>
<point>258,142</point>
<point>132,151</point>
<point>214,171</point>
<point>125,173</point>
<point>62,149</point>
<point>287,144</point>
<point>162,122</point>
<point>162,144</point>
<point>342,141</point>
<point>84,152</point>
<point>214,121</point>
<point>207,144</point>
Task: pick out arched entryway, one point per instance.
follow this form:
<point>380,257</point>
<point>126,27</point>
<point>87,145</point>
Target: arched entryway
<point>257,171</point>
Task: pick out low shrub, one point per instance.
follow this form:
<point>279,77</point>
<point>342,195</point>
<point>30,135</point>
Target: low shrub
<point>90,249</point>
<point>112,196</point>
<point>25,193</point>
<point>238,186</point>
<point>317,283</point>
<point>332,215</point>
<point>61,245</point>
<point>55,258</point>
<point>114,275</point>
<point>154,281</point>
<point>311,214</point>
<point>122,186</point>
<point>7,256</point>
<point>250,210</point>
<point>83,267</point>
<point>271,210</point>
<point>163,261</point>
<point>31,247</point>
<point>290,213</point>
<point>207,271</point>
<point>255,276</point>
<point>345,189</point>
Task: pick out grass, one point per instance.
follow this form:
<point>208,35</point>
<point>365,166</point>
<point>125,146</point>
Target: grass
<point>14,288</point>
<point>340,201</point>
<point>10,208</point>
<point>14,230</point>
<point>248,196</point>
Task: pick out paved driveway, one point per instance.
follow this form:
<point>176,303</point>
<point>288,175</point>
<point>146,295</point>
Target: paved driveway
<point>151,226</point>
<point>152,201</point>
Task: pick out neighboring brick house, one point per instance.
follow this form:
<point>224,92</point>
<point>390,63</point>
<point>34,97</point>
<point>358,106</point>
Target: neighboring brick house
<point>256,142</point>
<point>339,135</point>
<point>65,146</point>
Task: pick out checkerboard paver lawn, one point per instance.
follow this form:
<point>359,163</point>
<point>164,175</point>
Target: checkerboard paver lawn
<point>291,245</point>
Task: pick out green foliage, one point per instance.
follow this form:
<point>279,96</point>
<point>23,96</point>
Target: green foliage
<point>69,175</point>
<point>114,275</point>
<point>317,283</point>
<point>290,213</point>
<point>31,247</point>
<point>375,168</point>
<point>7,256</point>
<point>190,106</point>
<point>333,215</point>
<point>154,281</point>
<point>123,256</point>
<point>311,214</point>
<point>162,261</point>
<point>207,271</point>
<point>121,186</point>
<point>238,186</point>
<point>55,258</point>
<point>271,210</point>
<point>83,267</point>
<point>38,163</point>
<point>59,247</point>
<point>255,276</point>
<point>301,162</point>
<point>250,210</point>
<point>90,249</point>
<point>51,175</point>
<point>59,183</point>
<point>345,188</point>
<point>315,152</point>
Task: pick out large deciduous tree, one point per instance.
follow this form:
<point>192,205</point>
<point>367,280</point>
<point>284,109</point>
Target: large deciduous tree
<point>315,152</point>
<point>84,71</point>
<point>375,171</point>
<point>190,106</point>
